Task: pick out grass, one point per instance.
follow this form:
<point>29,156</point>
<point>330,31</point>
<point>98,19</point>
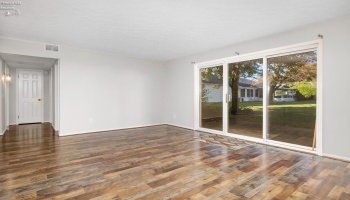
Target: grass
<point>296,114</point>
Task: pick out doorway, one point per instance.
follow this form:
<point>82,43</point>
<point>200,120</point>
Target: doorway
<point>33,92</point>
<point>271,97</point>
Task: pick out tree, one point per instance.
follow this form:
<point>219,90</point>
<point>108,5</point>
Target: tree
<point>282,70</point>
<point>306,89</point>
<point>248,69</point>
<point>289,69</point>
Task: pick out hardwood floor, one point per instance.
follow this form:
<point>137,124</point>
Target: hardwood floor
<point>159,162</point>
<point>280,133</point>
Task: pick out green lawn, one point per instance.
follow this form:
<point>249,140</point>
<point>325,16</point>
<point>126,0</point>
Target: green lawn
<point>297,114</point>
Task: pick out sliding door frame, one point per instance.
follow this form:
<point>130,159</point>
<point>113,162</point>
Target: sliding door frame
<point>197,90</point>
<point>285,50</point>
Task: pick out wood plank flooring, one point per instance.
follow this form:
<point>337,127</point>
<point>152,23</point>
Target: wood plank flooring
<point>159,162</point>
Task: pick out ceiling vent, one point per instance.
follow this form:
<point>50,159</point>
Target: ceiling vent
<point>50,47</point>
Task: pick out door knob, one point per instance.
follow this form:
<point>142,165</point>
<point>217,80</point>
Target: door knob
<point>39,99</point>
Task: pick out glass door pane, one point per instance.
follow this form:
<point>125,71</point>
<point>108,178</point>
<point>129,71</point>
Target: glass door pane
<point>245,108</point>
<point>291,108</point>
<point>211,97</point>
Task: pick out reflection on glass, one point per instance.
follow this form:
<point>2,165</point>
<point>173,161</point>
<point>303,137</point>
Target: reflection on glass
<point>245,107</point>
<point>211,97</point>
<point>292,98</point>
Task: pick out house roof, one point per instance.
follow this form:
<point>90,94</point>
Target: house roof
<point>243,82</point>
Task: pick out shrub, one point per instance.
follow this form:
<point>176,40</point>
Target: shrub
<point>306,90</point>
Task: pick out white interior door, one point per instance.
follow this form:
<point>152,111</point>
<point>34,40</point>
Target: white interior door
<point>30,93</point>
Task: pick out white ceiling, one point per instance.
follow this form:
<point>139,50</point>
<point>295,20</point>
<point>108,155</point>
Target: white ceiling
<point>27,62</point>
<point>162,29</point>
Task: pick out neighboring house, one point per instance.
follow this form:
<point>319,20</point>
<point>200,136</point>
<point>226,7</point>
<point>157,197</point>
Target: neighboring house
<point>285,94</point>
<point>248,90</point>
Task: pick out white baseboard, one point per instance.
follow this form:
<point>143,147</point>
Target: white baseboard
<point>115,129</point>
<point>185,127</point>
<point>108,130</point>
<point>336,157</point>
<point>14,124</point>
<point>3,132</point>
<point>54,128</point>
<point>105,130</point>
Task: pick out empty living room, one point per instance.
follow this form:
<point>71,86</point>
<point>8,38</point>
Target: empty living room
<point>165,99</point>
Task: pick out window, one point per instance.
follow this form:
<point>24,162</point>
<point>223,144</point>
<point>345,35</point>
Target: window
<point>250,93</point>
<point>242,92</point>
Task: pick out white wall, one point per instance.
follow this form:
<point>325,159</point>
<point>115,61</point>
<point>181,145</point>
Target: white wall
<point>12,94</point>
<point>46,96</point>
<point>52,94</point>
<point>336,70</point>
<point>7,98</point>
<point>2,98</point>
<point>214,93</point>
<point>101,91</point>
<point>54,84</point>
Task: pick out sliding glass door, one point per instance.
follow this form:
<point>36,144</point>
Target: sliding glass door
<point>292,81</point>
<point>245,92</point>
<point>268,97</point>
<point>211,100</point>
